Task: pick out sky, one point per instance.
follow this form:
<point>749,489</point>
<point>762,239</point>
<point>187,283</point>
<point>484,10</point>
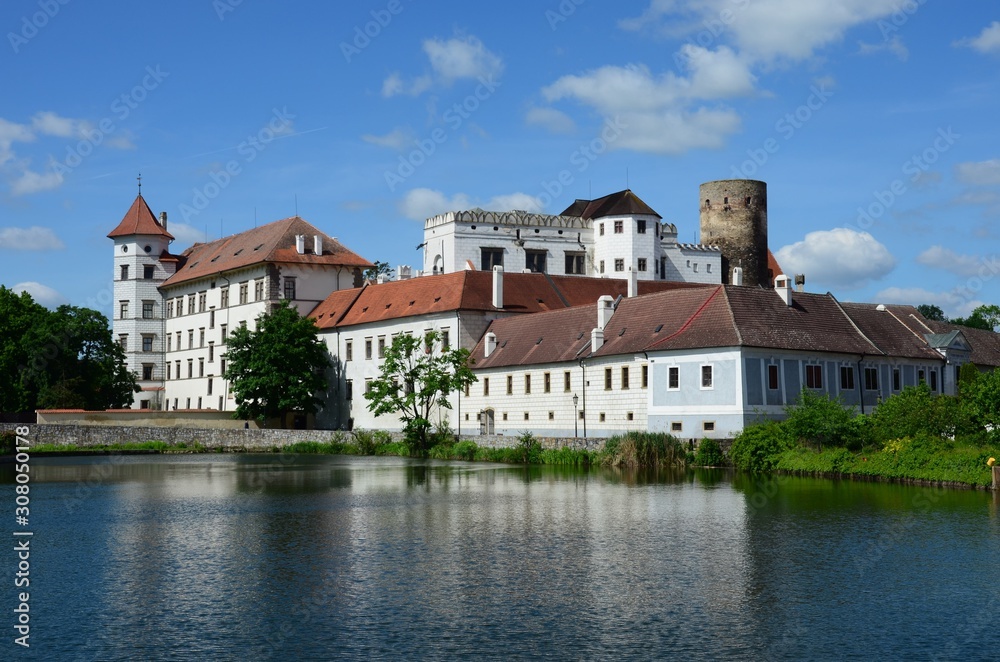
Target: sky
<point>873,122</point>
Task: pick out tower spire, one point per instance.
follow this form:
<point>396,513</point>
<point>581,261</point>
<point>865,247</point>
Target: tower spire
<point>139,179</point>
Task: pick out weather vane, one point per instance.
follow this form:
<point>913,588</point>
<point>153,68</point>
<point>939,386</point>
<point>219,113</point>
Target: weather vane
<point>139,178</point>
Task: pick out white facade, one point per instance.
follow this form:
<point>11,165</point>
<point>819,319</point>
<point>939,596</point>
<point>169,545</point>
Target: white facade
<point>566,245</point>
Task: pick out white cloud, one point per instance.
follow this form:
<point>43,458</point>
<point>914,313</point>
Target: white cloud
<point>29,239</point>
<point>841,257</point>
<point>981,173</point>
<point>894,46</point>
<point>396,139</point>
<point>392,85</point>
<point>462,58</point>
<point>988,40</point>
<point>51,124</point>
<point>11,132</point>
<point>186,235</point>
<point>763,30</point>
<point>551,119</point>
<point>29,182</point>
<point>940,257</point>
<point>952,303</point>
<point>42,294</point>
<point>423,203</point>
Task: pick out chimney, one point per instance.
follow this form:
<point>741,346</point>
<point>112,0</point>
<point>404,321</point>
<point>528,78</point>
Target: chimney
<point>605,309</point>
<point>491,344</point>
<point>784,289</point>
<point>737,275</point>
<point>300,244</point>
<point>800,282</point>
<point>317,244</point>
<point>498,286</point>
<point>163,220</point>
<point>596,339</point>
<point>633,283</point>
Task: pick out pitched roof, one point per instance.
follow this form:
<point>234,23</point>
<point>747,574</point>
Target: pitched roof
<point>139,219</point>
<point>985,344</point>
<point>894,329</point>
<point>621,203</point>
<point>274,242</point>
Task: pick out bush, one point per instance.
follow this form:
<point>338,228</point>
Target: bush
<point>709,454</point>
<point>822,420</point>
<point>758,447</point>
<point>368,441</point>
<point>642,449</point>
<point>8,440</point>
<point>530,448</point>
<point>917,411</point>
<point>465,450</point>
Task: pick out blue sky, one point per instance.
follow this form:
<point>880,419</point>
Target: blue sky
<point>874,123</point>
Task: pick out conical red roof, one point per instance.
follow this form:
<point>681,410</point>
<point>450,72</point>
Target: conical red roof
<point>139,220</point>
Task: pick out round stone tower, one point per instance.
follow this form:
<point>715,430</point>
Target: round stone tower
<point>734,218</point>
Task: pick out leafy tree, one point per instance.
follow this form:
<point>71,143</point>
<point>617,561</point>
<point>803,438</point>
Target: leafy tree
<point>916,411</point>
<point>822,420</point>
<point>380,269</point>
<point>982,397</point>
<point>278,368</point>
<point>932,312</point>
<point>19,314</point>
<point>415,379</point>
<point>985,317</point>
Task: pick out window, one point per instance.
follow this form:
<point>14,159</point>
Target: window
<point>641,263</point>
<point>525,415</point>
<point>123,340</point>
<point>505,416</point>
<point>148,271</point>
<point>348,350</point>
<point>814,376</point>
<point>629,416</point>
<point>190,304</point>
<point>895,379</point>
<point>607,379</point>
<point>467,390</point>
<point>210,380</point>
<point>169,343</point>
<point>871,379</point>
<point>581,415</point>
<point>289,288</point>
<point>381,347</point>
<point>222,367</point>
<point>147,371</point>
<point>552,416</point>
<point>445,339</point>
<point>168,370</point>
<point>124,274</point>
<point>527,384</point>
<point>147,310</point>
<point>368,348</point>
<point>663,267</point>
<point>147,343</point>
<point>846,378</point>
<point>190,338</point>
<point>640,227</point>
<point>619,264</point>
<point>708,426</point>
<point>211,319</point>
<point>201,367</point>
<point>177,364</point>
<point>201,337</point>
<point>602,266</point>
<point>199,402</point>
<point>225,297</point>
<point>123,309</point>
<point>349,393</point>
<point>187,405</point>
<point>574,263</point>
<point>619,227</point>
<point>492,257</point>
<point>535,261</point>
<point>566,381</point>
<point>934,381</point>
<point>673,378</point>
<point>243,292</point>
<point>258,289</point>
<point>486,385</point>
<point>144,404</point>
<point>645,376</point>
<point>547,382</point>
<point>921,376</point>
<point>600,229</point>
<point>368,385</point>
<point>676,426</point>
<point>202,300</point>
<point>624,377</point>
<point>706,376</point>
<point>772,377</point>
<point>211,352</point>
<point>510,384</point>
<point>225,332</point>
<point>170,308</point>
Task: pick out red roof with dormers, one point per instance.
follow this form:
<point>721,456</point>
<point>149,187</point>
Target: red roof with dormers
<point>139,220</point>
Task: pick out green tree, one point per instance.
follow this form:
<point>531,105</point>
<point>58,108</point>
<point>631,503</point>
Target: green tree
<point>982,397</point>
<point>822,420</point>
<point>932,312</point>
<point>415,379</point>
<point>379,269</point>
<point>19,314</point>
<point>279,368</point>
<point>985,317</point>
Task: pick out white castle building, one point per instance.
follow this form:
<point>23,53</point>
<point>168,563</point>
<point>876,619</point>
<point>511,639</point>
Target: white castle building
<point>606,237</point>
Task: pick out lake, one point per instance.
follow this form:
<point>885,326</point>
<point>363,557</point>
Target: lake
<point>249,557</point>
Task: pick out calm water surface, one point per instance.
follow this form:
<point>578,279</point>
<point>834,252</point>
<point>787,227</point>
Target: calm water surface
<point>272,557</point>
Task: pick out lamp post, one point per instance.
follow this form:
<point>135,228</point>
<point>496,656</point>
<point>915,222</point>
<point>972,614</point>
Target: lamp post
<point>576,417</point>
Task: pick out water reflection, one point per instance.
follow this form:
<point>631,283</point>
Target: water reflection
<point>270,556</point>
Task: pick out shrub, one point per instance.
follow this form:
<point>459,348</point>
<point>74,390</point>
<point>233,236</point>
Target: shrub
<point>709,454</point>
<point>758,447</point>
<point>530,448</point>
<point>822,420</point>
<point>642,449</point>
<point>8,440</point>
<point>465,450</point>
<point>917,411</point>
<point>367,441</point>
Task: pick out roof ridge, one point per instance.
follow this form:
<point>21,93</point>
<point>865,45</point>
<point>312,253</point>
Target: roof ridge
<point>732,317</point>
<point>689,320</point>
<point>854,324</point>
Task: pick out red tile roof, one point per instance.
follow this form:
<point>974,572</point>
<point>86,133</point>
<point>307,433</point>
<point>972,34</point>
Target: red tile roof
<point>139,219</point>
<point>274,243</point>
<point>621,203</point>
